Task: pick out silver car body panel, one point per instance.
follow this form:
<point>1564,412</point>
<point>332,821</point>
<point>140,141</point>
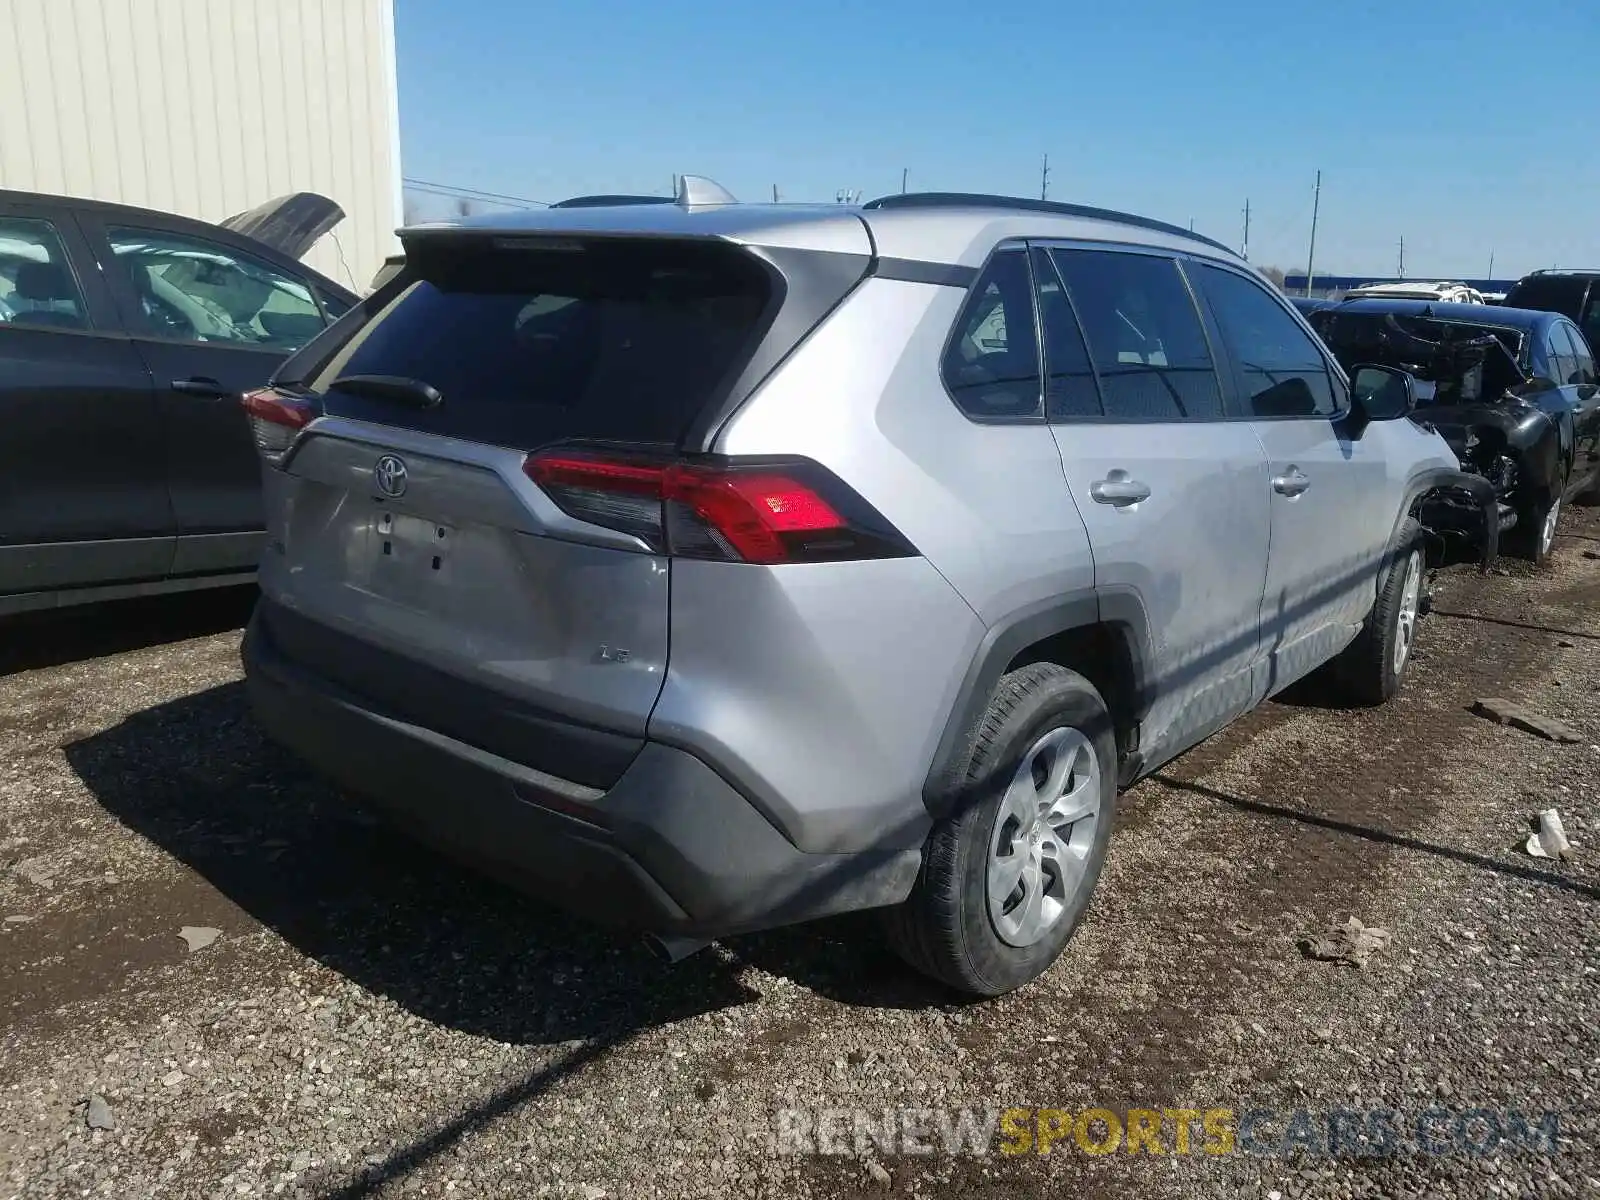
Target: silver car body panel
<point>514,602</point>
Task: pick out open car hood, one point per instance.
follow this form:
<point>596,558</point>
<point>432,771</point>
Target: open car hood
<point>290,224</point>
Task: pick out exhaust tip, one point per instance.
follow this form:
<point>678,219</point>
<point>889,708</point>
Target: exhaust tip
<point>671,949</point>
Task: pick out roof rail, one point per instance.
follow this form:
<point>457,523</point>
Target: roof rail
<point>609,201</point>
<point>1565,271</point>
<point>1022,204</point>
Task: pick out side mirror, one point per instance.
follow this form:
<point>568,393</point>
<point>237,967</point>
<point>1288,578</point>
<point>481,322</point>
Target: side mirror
<point>1383,393</point>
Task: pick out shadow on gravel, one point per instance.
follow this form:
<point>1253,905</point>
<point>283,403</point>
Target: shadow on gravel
<point>846,960</point>
<point>1554,632</point>
<point>34,641</point>
<point>1316,690</point>
<point>407,1158</point>
<point>197,777</point>
<point>1499,866</point>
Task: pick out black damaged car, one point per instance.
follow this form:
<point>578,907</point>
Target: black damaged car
<point>1513,391</point>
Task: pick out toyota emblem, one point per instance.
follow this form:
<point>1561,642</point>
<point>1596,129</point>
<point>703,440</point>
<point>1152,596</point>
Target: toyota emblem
<point>390,476</point>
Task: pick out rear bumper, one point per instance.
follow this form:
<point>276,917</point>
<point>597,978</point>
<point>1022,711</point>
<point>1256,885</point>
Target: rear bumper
<point>671,847</point>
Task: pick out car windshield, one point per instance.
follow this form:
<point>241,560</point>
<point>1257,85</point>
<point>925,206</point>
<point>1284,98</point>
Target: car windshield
<point>1465,362</point>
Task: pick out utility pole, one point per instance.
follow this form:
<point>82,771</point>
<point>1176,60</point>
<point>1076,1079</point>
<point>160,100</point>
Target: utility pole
<point>775,193</point>
<point>1491,264</point>
<point>1311,254</point>
<point>1191,224</point>
<point>1402,270</point>
<point>905,173</point>
<point>1245,252</point>
<point>1044,179</point>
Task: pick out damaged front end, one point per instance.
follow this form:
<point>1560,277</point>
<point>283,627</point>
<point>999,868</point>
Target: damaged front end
<point>1463,510</point>
<point>1464,376</point>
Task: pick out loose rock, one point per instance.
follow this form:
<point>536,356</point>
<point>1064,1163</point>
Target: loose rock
<point>99,1115</point>
<point>1518,716</point>
<point>1350,942</point>
<point>199,936</point>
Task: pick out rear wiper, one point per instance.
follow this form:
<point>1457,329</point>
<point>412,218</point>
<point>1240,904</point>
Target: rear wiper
<point>398,388</point>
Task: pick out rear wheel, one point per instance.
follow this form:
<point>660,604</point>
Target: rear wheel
<point>1372,667</point>
<point>1534,535</point>
<point>1006,879</point>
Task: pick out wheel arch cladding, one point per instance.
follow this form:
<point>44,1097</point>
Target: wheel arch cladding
<point>1102,635</point>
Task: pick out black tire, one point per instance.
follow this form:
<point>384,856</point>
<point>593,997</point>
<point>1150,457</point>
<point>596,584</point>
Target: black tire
<point>1526,539</point>
<point>944,927</point>
<point>1366,669</point>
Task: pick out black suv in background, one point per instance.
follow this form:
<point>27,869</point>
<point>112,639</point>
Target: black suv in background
<point>1573,294</point>
<point>126,338</point>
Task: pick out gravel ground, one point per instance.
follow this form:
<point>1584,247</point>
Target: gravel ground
<point>369,1020</point>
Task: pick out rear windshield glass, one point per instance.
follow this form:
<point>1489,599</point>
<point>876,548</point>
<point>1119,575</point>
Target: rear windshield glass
<point>609,339</point>
<point>1550,293</point>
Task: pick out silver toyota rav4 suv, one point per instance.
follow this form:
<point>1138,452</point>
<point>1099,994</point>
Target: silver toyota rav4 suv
<point>704,567</point>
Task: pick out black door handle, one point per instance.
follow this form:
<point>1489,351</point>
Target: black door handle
<point>207,389</point>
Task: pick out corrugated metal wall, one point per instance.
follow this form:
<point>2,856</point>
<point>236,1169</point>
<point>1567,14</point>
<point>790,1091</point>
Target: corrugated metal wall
<point>208,108</point>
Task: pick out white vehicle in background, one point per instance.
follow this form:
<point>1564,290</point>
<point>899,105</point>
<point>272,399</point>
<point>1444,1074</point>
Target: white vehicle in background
<point>1444,292</point>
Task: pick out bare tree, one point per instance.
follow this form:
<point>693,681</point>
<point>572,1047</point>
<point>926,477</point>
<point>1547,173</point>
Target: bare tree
<point>1275,274</point>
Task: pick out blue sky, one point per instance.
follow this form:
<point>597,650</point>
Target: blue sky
<point>1465,126</point>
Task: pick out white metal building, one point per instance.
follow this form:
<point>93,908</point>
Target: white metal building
<point>208,108</point>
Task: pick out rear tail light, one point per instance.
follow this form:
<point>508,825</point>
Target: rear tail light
<point>276,418</point>
<point>730,510</point>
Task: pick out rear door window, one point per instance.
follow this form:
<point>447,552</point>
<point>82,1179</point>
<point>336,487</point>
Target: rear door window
<point>37,287</point>
<point>1145,337</point>
<point>1585,355</point>
<point>1563,360</point>
<point>1070,389</point>
<point>616,340</point>
<point>1589,325</point>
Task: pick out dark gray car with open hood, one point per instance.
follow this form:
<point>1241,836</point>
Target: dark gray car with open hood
<point>126,338</point>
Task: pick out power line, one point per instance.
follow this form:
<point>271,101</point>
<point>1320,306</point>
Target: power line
<point>465,193</point>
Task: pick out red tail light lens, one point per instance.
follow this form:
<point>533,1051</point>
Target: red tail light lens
<point>763,512</point>
<point>275,419</point>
